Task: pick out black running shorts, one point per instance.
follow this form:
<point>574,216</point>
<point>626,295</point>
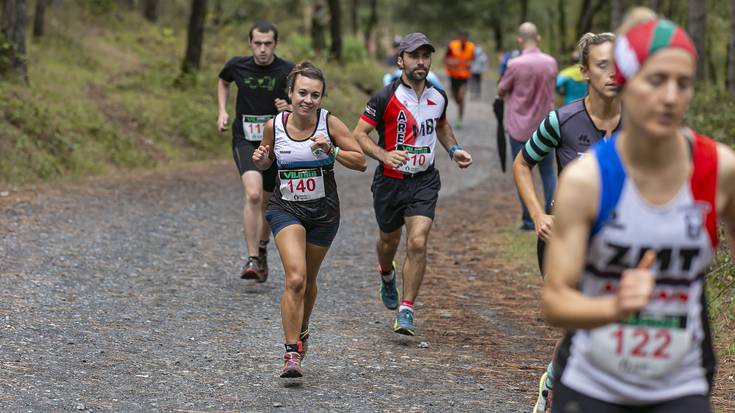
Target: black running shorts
<point>394,199</point>
<point>567,400</point>
<point>243,154</point>
<point>456,83</point>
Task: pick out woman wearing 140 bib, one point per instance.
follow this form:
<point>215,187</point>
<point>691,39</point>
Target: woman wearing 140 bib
<point>304,209</point>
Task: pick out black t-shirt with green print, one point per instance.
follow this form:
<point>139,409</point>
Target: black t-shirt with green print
<point>257,88</point>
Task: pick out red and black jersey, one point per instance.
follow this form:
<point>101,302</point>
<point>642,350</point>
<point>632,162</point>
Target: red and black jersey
<point>407,122</point>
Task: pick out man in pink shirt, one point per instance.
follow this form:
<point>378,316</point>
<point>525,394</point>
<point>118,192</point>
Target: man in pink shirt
<point>527,86</point>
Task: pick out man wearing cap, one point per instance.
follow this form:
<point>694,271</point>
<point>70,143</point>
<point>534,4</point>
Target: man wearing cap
<point>410,116</point>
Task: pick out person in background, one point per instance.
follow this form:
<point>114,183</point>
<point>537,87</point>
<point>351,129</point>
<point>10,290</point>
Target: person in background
<point>458,59</point>
<point>527,86</point>
<point>570,82</point>
<point>479,66</point>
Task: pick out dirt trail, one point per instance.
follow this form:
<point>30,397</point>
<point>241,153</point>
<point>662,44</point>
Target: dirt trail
<point>123,295</point>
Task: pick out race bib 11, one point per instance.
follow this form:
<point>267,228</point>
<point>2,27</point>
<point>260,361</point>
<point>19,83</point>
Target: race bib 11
<point>301,184</point>
<point>252,126</point>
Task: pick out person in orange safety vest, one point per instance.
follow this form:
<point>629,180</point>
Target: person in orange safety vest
<point>459,58</point>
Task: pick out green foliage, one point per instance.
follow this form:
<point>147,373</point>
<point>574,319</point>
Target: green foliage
<point>106,93</point>
<point>712,113</point>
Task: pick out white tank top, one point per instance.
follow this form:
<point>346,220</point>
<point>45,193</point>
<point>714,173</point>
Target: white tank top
<point>301,164</point>
<point>665,351</point>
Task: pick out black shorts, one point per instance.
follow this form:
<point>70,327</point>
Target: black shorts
<point>394,199</point>
<point>456,83</point>
<point>243,154</point>
<point>317,233</point>
<point>567,400</point>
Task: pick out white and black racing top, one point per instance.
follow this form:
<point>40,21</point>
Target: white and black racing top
<point>664,351</point>
<point>305,183</point>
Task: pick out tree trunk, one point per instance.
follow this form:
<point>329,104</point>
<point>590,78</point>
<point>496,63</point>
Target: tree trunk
<point>617,8</point>
<point>372,21</point>
<point>353,15</point>
<point>497,27</point>
<point>655,5</point>
<point>585,15</point>
<point>127,4</point>
<point>335,29</point>
<point>731,51</point>
<point>218,12</point>
<point>562,26</point>
<point>697,24</point>
<point>195,36</point>
<point>150,10</point>
<point>524,11</point>
<point>13,29</point>
<point>38,18</point>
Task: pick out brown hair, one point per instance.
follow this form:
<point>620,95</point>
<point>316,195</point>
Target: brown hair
<point>634,17</point>
<point>306,69</point>
<point>591,39</point>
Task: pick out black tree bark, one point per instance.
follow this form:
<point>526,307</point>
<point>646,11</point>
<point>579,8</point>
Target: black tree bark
<point>195,36</point>
<point>150,10</point>
<point>38,18</point>
<point>562,26</point>
<point>372,21</point>
<point>335,28</point>
<point>524,11</point>
<point>655,5</point>
<point>731,51</point>
<point>617,8</point>
<point>13,29</point>
<point>697,24</point>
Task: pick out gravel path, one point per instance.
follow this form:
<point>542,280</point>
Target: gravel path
<point>124,295</point>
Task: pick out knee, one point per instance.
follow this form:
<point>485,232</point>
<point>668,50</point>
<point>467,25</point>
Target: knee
<point>253,196</point>
<point>416,245</point>
<point>296,283</point>
<point>389,241</point>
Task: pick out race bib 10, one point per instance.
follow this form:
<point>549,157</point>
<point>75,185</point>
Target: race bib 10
<point>420,158</point>
<point>301,184</point>
<point>645,345</point>
<point>252,126</point>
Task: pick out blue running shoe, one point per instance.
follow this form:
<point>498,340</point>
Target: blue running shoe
<point>404,323</point>
<point>389,291</point>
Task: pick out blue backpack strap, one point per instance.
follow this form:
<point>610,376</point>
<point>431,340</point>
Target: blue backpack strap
<point>612,179</point>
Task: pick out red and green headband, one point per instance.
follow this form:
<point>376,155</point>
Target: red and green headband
<point>637,44</point>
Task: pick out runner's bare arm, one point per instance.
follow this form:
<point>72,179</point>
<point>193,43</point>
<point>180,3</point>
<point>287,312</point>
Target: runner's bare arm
<point>223,94</point>
<point>524,182</point>
<point>445,135</point>
<point>373,150</point>
<point>726,196</point>
<point>576,206</point>
<point>263,156</point>
<point>350,154</point>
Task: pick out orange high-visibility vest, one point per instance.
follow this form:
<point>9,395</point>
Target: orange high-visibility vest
<point>465,55</point>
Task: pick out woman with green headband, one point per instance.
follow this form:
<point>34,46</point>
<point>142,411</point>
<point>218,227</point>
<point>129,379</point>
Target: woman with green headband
<point>633,240</point>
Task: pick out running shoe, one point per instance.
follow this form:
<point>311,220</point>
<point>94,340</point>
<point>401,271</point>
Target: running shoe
<point>403,323</point>
<point>389,290</point>
<point>543,401</point>
<point>251,269</point>
<point>304,338</point>
<point>458,124</point>
<point>292,365</point>
<point>263,267</point>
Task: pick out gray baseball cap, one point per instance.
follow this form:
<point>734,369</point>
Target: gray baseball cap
<point>411,42</point>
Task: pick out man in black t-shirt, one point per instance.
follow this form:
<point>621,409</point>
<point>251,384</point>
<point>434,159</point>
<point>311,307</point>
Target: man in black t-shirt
<point>261,94</point>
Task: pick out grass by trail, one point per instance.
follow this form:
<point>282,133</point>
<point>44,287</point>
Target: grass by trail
<point>104,95</point>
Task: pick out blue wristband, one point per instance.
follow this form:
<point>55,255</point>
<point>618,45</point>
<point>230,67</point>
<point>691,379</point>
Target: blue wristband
<point>452,150</point>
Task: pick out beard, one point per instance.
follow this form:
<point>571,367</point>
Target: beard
<point>416,77</point>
